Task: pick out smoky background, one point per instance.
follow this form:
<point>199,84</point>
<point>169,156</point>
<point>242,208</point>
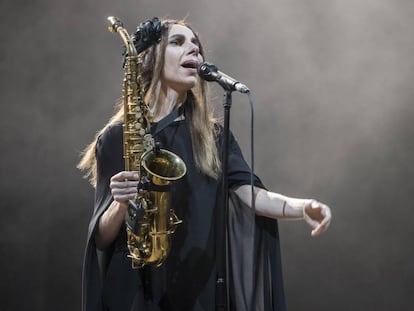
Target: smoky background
<point>334,110</point>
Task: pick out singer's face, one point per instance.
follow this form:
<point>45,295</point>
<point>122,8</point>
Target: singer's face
<point>182,57</point>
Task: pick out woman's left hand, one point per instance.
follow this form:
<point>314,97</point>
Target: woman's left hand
<point>317,215</point>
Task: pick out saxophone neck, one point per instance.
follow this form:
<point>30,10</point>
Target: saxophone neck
<point>115,25</point>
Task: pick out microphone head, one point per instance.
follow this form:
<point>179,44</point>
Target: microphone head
<point>206,71</point>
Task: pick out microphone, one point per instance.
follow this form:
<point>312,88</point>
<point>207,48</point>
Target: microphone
<point>209,72</point>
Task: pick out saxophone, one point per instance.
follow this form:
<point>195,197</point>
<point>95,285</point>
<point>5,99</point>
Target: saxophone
<point>149,219</point>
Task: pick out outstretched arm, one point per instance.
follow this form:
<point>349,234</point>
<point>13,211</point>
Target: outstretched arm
<point>275,205</point>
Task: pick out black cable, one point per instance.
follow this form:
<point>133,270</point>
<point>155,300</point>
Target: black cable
<point>253,205</point>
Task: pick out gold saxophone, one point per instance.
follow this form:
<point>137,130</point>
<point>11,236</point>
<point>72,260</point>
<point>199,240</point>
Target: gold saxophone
<point>149,220</point>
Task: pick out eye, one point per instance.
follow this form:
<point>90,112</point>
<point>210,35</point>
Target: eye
<point>175,40</point>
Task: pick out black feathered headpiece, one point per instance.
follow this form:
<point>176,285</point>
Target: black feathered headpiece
<point>147,34</point>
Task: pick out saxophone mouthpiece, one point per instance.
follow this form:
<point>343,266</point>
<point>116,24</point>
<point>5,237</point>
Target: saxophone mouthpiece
<point>114,24</point>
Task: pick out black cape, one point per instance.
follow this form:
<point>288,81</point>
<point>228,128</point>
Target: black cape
<point>186,281</point>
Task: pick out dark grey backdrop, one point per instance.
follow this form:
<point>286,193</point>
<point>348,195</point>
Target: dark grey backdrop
<point>334,98</point>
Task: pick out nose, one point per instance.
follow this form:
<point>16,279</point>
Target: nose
<point>193,49</point>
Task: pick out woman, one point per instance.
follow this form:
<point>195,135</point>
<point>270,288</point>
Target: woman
<point>186,281</point>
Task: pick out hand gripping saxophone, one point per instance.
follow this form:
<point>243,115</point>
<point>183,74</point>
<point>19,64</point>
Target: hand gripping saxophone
<point>149,221</point>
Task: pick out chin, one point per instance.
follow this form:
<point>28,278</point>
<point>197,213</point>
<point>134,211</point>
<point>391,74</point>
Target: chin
<point>190,83</point>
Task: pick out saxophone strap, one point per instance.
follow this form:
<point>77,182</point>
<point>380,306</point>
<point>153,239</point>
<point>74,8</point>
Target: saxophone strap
<point>155,129</point>
<point>162,124</point>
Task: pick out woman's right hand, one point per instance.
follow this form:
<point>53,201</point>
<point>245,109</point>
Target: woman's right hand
<point>124,186</point>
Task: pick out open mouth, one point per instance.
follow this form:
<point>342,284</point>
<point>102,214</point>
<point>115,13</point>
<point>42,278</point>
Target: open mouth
<point>190,65</point>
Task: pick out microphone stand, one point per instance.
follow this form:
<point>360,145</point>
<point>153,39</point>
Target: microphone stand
<point>222,290</point>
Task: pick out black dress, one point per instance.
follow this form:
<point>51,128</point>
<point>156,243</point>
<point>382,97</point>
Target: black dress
<point>186,281</point>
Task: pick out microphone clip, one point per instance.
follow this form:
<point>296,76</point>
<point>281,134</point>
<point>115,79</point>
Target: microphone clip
<point>210,72</point>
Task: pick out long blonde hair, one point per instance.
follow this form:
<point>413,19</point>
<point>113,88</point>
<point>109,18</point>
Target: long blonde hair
<point>203,125</point>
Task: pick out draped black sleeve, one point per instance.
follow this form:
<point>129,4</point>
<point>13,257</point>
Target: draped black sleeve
<point>109,161</point>
<point>254,247</point>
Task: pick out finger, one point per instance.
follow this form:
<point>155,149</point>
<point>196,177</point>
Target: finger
<point>124,198</point>
<point>313,223</point>
<point>327,216</point>
<point>319,229</point>
<point>123,184</point>
<point>125,175</point>
<point>125,191</point>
